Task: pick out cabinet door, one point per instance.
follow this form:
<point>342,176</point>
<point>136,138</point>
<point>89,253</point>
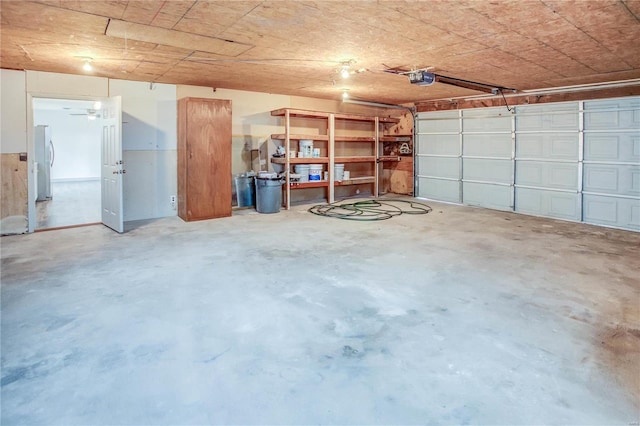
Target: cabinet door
<point>208,159</point>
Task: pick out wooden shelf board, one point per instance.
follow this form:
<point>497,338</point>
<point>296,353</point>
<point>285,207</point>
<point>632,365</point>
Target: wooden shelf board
<point>358,159</point>
<point>300,113</point>
<point>322,114</point>
<point>399,138</point>
<point>314,184</point>
<point>356,117</point>
<point>316,160</point>
<point>296,160</point>
<point>356,181</point>
<point>354,139</point>
<point>281,136</point>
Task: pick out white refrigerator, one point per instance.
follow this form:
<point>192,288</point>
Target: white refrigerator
<point>45,155</point>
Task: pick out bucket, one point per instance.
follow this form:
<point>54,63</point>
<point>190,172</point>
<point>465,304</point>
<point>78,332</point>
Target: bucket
<point>306,147</point>
<point>245,190</point>
<point>268,195</point>
<point>338,170</point>
<point>303,171</point>
<point>315,172</point>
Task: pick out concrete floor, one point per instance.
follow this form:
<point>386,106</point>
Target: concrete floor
<point>462,316</point>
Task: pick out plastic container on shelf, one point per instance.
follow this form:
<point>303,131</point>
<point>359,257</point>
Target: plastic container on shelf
<point>306,147</point>
<point>303,171</point>
<point>338,170</point>
<point>315,172</point>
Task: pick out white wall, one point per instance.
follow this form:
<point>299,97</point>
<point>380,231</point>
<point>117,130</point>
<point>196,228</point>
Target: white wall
<point>149,141</point>
<point>150,127</point>
<point>252,123</point>
<point>13,139</point>
<point>77,142</point>
<point>13,112</point>
<point>53,85</point>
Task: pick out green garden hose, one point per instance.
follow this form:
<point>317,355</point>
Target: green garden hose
<point>370,210</point>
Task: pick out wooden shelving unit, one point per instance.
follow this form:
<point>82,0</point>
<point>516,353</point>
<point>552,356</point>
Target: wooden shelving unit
<point>356,159</point>
<point>355,143</point>
<point>396,169</point>
<point>312,160</point>
<point>403,138</point>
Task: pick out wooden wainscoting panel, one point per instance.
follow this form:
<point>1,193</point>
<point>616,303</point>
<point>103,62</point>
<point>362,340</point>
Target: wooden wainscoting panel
<point>14,195</point>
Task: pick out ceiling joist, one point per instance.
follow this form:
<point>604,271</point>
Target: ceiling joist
<point>163,36</point>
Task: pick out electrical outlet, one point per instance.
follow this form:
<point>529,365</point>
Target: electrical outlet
<point>172,201</point>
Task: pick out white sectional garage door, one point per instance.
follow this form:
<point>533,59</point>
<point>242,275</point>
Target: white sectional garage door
<point>611,190</point>
<point>487,158</point>
<point>576,161</point>
<point>548,161</point>
<point>438,157</point>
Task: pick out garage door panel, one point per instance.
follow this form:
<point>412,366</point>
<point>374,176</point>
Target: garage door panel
<point>555,146</point>
<point>612,179</point>
<point>488,145</point>
<point>612,147</point>
<point>548,109</point>
<point>439,126</point>
<point>487,124</point>
<point>438,114</point>
<point>439,167</point>
<point>532,122</point>
<point>565,121</point>
<point>547,117</point>
<point>486,112</point>
<point>500,171</point>
<point>438,189</point>
<point>538,202</point>
<point>487,195</point>
<point>628,116</point>
<point>612,211</point>
<point>547,175</point>
<point>439,144</point>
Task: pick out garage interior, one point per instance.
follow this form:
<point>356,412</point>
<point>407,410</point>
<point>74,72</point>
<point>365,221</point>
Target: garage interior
<point>515,300</point>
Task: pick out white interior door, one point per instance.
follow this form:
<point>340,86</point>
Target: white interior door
<point>112,169</point>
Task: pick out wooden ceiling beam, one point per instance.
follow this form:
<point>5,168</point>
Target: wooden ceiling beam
<point>526,99</point>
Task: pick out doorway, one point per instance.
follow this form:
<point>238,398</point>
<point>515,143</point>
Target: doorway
<point>67,138</point>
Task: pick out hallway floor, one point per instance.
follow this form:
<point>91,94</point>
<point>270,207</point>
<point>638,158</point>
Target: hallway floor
<point>73,203</point>
<point>462,316</point>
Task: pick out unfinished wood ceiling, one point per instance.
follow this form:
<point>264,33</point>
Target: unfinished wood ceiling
<point>297,47</point>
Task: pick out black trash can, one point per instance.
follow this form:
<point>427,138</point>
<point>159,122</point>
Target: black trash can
<point>268,194</point>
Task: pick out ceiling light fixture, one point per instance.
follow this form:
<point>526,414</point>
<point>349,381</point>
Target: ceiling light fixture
<point>87,64</point>
<point>345,68</point>
<point>345,93</point>
<point>344,73</point>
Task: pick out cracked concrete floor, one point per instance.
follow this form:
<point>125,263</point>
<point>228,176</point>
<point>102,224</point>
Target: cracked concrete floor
<point>462,316</point>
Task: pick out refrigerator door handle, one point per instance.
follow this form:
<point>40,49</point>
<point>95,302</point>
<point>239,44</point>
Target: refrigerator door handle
<point>53,152</point>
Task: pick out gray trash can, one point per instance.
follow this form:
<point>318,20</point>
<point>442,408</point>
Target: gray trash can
<point>245,190</point>
<point>268,195</point>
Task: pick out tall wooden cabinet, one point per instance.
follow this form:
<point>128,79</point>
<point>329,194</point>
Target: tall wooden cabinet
<point>204,158</point>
